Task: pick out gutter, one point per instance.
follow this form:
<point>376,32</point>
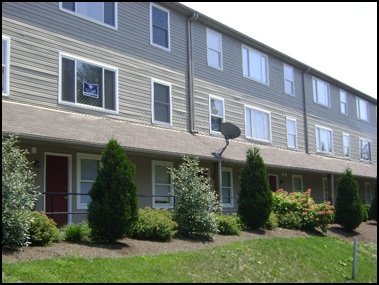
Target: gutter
<point>191,74</point>
<point>305,113</point>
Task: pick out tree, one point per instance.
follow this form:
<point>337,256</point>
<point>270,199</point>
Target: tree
<point>349,208</point>
<point>373,215</point>
<point>196,204</point>
<point>114,203</point>
<point>255,197</point>
<point>18,195</point>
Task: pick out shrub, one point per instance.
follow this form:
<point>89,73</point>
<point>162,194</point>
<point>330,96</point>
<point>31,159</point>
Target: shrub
<point>228,224</point>
<point>366,211</point>
<point>77,232</point>
<point>18,195</point>
<point>272,222</point>
<point>154,225</point>
<point>373,209</point>
<point>114,203</point>
<point>196,204</point>
<point>349,213</point>
<point>290,220</point>
<point>43,230</point>
<point>254,197</point>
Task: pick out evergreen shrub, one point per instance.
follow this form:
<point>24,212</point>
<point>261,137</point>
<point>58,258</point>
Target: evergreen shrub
<point>228,224</point>
<point>43,230</point>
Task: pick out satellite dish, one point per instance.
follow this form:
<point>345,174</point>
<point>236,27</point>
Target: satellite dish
<point>230,131</point>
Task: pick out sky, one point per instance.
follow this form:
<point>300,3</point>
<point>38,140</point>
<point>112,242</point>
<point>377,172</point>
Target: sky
<point>338,39</point>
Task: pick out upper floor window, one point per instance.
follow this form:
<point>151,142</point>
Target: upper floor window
<point>100,12</point>
<point>297,182</point>
<point>321,92</point>
<point>216,113</point>
<point>159,26</point>
<point>214,49</point>
<point>161,102</point>
<point>5,59</point>
<point>254,64</point>
<point>258,124</point>
<point>162,185</point>
<point>343,102</point>
<point>324,140</point>
<point>365,149</point>
<point>346,145</point>
<point>291,133</point>
<point>288,80</point>
<point>227,187</point>
<point>87,84</point>
<point>362,109</point>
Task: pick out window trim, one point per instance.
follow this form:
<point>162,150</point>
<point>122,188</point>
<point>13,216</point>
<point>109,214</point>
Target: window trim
<point>168,48</point>
<point>315,96</point>
<point>210,48</point>
<point>317,139</point>
<point>115,27</point>
<point>7,56</point>
<point>79,157</point>
<point>285,79</point>
<point>269,124</point>
<point>210,113</point>
<point>294,120</point>
<point>360,150</point>
<point>248,64</point>
<point>91,62</point>
<point>343,102</point>
<point>294,176</point>
<point>358,103</point>
<point>325,179</point>
<point>231,204</point>
<point>167,164</point>
<point>343,146</point>
<point>153,80</point>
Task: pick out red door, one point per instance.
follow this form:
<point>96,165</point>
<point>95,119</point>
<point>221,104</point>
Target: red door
<point>272,183</point>
<point>57,183</point>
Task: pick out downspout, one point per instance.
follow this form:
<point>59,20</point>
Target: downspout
<point>191,74</point>
<point>305,113</point>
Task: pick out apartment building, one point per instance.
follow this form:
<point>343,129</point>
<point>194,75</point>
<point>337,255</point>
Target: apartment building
<point>161,78</point>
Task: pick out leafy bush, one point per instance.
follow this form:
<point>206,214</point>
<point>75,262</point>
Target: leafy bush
<point>272,222</point>
<point>196,204</point>
<point>77,232</point>
<point>366,211</point>
<point>228,224</point>
<point>290,220</point>
<point>154,224</point>
<point>18,195</point>
<point>254,197</point>
<point>43,230</point>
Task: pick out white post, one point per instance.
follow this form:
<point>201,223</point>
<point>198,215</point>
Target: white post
<point>355,257</point>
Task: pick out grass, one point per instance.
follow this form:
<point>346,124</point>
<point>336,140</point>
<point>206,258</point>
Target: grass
<point>310,260</point>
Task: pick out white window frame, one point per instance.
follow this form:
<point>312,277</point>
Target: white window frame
<point>230,187</point>
<point>343,101</point>
<point>318,142</point>
<point>247,65</point>
<point>247,131</point>
<point>361,141</point>
<point>290,80</point>
<point>214,115</point>
<point>6,65</point>
<point>297,176</point>
<point>158,205</point>
<point>79,158</point>
<point>325,189</point>
<point>316,94</point>
<point>154,121</point>
<point>91,62</point>
<point>362,116</point>
<point>368,193</point>
<point>168,48</point>
<point>88,18</point>
<point>344,146</point>
<point>291,134</point>
<point>211,48</point>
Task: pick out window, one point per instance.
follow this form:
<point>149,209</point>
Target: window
<point>161,102</point>
<point>254,65</point>
<point>297,182</point>
<point>362,109</point>
<point>368,193</point>
<point>291,133</point>
<point>217,115</point>
<point>346,145</point>
<point>365,149</point>
<point>87,166</point>
<point>343,100</point>
<point>162,185</point>
<point>159,26</point>
<point>104,13</point>
<point>258,124</point>
<point>288,80</point>
<point>5,59</point>
<point>227,187</point>
<point>326,189</point>
<point>324,140</point>
<point>321,92</point>
<point>214,49</point>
